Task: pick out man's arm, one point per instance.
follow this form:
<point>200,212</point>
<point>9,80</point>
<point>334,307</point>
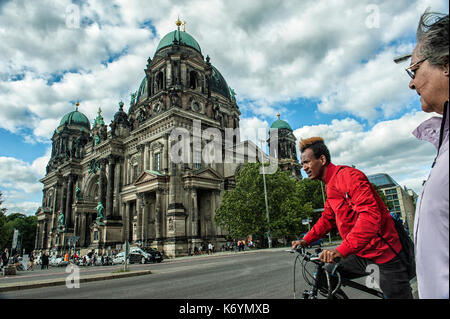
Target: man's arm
<point>363,200</point>
<point>323,226</point>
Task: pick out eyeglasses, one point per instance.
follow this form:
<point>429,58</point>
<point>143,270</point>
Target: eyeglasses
<point>412,73</point>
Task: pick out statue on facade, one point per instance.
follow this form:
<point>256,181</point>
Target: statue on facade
<point>133,99</point>
<point>96,139</point>
<point>61,221</point>
<point>93,166</point>
<point>175,100</point>
<point>77,193</point>
<point>100,212</point>
<point>103,132</point>
<point>233,95</point>
<point>142,116</point>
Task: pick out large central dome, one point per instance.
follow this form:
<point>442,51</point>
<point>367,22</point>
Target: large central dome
<point>180,38</point>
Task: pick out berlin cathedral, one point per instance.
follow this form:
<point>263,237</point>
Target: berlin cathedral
<point>107,186</point>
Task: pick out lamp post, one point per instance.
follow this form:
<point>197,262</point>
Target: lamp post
<point>323,198</point>
<point>269,237</point>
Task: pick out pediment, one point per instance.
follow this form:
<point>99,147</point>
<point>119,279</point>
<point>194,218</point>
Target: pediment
<point>207,173</point>
<point>147,176</point>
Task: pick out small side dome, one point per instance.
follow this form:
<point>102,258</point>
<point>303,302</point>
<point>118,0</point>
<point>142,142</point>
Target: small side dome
<point>280,124</point>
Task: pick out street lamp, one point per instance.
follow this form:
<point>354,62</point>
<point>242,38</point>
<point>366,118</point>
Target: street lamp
<point>323,198</point>
<point>269,237</point>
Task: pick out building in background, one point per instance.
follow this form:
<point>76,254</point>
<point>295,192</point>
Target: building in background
<point>403,200</point>
<point>110,184</point>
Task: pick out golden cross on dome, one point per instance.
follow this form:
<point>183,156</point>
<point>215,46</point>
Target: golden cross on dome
<point>77,105</point>
<point>278,115</point>
<point>178,23</point>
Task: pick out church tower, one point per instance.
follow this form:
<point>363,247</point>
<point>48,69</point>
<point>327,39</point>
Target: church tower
<point>286,153</point>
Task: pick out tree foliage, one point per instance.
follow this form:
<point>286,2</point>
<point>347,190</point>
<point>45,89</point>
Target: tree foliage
<point>25,224</point>
<point>243,210</point>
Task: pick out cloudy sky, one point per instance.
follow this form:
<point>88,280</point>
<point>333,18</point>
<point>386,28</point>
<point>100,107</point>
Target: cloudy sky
<point>326,66</point>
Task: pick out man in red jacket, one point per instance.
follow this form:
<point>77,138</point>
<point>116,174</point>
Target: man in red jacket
<point>356,209</point>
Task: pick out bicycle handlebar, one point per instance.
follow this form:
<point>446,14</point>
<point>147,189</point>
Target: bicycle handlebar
<point>330,267</point>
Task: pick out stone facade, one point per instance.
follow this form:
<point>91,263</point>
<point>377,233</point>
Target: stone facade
<point>104,187</point>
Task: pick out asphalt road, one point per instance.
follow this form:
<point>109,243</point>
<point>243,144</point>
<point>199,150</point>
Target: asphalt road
<point>264,274</point>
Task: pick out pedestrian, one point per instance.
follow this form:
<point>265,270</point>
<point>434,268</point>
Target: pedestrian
<point>44,260</point>
<point>209,248</point>
<point>195,250</point>
<point>16,261</point>
<point>429,72</point>
<point>5,257</point>
<point>31,261</point>
<point>189,251</point>
<point>363,221</point>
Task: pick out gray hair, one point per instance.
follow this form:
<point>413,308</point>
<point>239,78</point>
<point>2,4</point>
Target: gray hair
<point>432,38</point>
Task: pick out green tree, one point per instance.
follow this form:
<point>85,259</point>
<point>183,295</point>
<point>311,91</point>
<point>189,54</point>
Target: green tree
<point>243,210</point>
<point>3,233</point>
<point>25,224</point>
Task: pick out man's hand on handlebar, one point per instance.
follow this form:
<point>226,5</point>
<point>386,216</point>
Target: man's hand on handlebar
<point>329,255</point>
<point>296,243</point>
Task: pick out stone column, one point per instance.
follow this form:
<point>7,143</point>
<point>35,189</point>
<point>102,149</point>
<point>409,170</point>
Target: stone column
<point>68,217</point>
<point>102,182</point>
<point>110,188</point>
<point>118,185</point>
<point>166,152</point>
<point>195,213</point>
<point>158,215</point>
<point>139,208</point>
<point>126,222</point>
<point>218,202</point>
<point>54,210</point>
<point>83,229</point>
<point>214,196</point>
<point>36,239</point>
<point>64,199</point>
<point>146,157</point>
<point>42,239</point>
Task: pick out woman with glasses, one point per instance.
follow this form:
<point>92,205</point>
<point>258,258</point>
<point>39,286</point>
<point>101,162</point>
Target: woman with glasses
<point>429,72</point>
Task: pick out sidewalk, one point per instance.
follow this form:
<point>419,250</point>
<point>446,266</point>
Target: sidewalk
<point>64,281</point>
<point>56,276</point>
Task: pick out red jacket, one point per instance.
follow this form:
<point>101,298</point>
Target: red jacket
<point>354,206</point>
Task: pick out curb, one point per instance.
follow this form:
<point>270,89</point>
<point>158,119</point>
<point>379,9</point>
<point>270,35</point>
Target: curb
<point>60,282</point>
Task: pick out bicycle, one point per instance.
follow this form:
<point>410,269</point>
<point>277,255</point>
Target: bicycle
<point>329,270</point>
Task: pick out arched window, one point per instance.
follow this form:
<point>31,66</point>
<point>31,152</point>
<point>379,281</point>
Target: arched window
<point>193,80</point>
<point>159,81</point>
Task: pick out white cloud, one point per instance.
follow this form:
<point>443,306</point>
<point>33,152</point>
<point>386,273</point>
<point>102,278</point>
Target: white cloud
<point>20,180</point>
<point>270,51</point>
<point>388,147</point>
<point>253,129</point>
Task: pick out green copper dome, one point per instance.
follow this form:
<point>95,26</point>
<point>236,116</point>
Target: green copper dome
<point>75,118</point>
<point>182,37</point>
<point>218,83</point>
<point>280,124</point>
